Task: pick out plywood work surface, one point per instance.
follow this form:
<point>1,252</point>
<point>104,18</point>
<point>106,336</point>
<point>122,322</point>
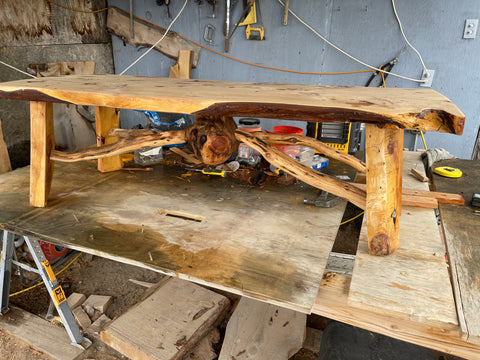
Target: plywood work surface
<point>461,227</point>
<point>420,109</point>
<point>258,242</point>
<point>413,282</point>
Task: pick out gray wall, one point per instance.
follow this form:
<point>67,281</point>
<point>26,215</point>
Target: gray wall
<point>366,29</point>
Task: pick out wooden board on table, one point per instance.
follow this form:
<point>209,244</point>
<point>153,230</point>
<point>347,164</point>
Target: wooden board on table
<point>262,331</point>
<point>413,281</point>
<point>39,334</point>
<point>422,109</point>
<point>461,229</point>
<point>258,242</point>
<point>332,302</point>
<point>168,323</point>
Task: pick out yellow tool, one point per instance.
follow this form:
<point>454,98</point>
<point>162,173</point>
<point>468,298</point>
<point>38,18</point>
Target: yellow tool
<point>448,171</point>
<point>216,172</point>
<point>251,19</point>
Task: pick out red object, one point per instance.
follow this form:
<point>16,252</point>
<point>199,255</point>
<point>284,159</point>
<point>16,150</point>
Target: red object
<point>52,251</point>
<point>291,130</point>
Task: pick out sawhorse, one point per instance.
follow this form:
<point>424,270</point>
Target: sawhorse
<point>44,269</point>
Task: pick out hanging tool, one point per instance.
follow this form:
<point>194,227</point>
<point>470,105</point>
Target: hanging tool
<point>254,32</point>
<point>247,6</point>
<point>217,172</point>
<point>285,13</point>
<point>213,3</point>
<point>385,67</point>
<point>208,34</point>
<point>167,3</point>
<point>228,20</point>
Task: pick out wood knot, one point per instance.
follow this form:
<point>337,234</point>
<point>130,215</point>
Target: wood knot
<point>380,245</point>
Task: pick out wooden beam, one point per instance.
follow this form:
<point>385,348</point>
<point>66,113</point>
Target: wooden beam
<point>146,34</point>
<point>42,141</point>
<point>5,165</point>
<point>183,68</point>
<point>122,146</point>
<point>285,139</point>
<point>303,172</point>
<point>384,155</point>
<point>106,119</point>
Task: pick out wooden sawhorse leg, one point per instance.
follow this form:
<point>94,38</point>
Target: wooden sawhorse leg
<point>384,159</point>
<point>42,141</point>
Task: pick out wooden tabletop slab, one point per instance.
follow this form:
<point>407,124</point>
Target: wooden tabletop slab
<point>419,109</point>
<point>263,243</point>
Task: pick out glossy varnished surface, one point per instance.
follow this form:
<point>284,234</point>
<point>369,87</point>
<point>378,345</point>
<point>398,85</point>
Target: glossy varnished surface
<point>259,242</point>
<point>420,109</point>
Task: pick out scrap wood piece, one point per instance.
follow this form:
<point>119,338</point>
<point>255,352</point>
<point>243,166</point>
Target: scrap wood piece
<point>285,139</point>
<point>186,156</point>
<point>418,175</point>
<point>260,331</point>
<point>168,323</point>
<point>122,146</point>
<point>303,172</point>
<point>146,34</point>
<point>183,67</point>
<point>411,194</point>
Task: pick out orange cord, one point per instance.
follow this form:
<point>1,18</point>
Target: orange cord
<point>224,55</point>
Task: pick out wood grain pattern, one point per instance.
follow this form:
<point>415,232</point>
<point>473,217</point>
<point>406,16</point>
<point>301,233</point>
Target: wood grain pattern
<point>262,243</point>
<point>167,324</point>
<point>332,303</point>
<point>259,331</point>
<point>383,153</point>
<point>284,139</point>
<point>106,119</point>
<point>42,141</point>
<point>420,109</point>
<point>462,239</point>
<point>413,282</point>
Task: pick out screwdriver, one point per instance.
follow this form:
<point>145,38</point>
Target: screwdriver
<point>205,171</point>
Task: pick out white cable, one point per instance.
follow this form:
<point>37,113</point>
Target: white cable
<point>406,40</point>
<point>14,68</point>
<point>158,42</point>
<point>347,54</point>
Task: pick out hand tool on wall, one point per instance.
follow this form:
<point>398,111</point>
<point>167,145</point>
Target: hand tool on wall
<point>285,13</point>
<point>226,26</point>
<point>213,3</point>
<point>206,171</point>
<point>253,32</point>
<point>208,33</point>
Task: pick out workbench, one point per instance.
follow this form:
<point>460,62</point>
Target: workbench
<point>262,243</point>
<point>386,113</point>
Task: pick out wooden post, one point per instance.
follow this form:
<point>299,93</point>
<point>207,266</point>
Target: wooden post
<point>384,158</point>
<point>183,67</point>
<point>106,119</point>
<point>5,164</point>
<point>42,141</point>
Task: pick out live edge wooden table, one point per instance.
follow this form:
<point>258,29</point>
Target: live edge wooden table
<point>386,112</point>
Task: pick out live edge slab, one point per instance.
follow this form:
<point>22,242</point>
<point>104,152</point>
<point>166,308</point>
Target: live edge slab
<point>386,112</point>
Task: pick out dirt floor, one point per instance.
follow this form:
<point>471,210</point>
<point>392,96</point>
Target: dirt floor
<point>95,275</point>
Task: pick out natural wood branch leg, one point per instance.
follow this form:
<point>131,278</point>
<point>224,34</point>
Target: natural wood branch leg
<point>384,158</point>
<point>42,141</point>
<point>106,119</point>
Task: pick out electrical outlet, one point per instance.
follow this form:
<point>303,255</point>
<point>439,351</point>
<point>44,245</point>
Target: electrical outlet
<point>429,78</point>
<point>470,29</point>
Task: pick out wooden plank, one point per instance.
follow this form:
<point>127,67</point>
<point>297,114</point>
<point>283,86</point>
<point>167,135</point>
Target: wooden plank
<point>413,281</point>
<point>183,68</point>
<point>39,334</point>
<point>5,164</point>
<point>422,109</point>
<point>462,239</point>
<point>384,154</point>
<point>167,324</point>
<point>106,119</point>
<point>118,21</point>
<point>262,331</point>
<point>42,141</point>
<point>262,243</point>
<point>332,303</point>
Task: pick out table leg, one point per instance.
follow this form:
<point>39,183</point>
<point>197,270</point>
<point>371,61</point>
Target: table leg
<point>384,158</point>
<point>42,141</point>
<point>106,119</point>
